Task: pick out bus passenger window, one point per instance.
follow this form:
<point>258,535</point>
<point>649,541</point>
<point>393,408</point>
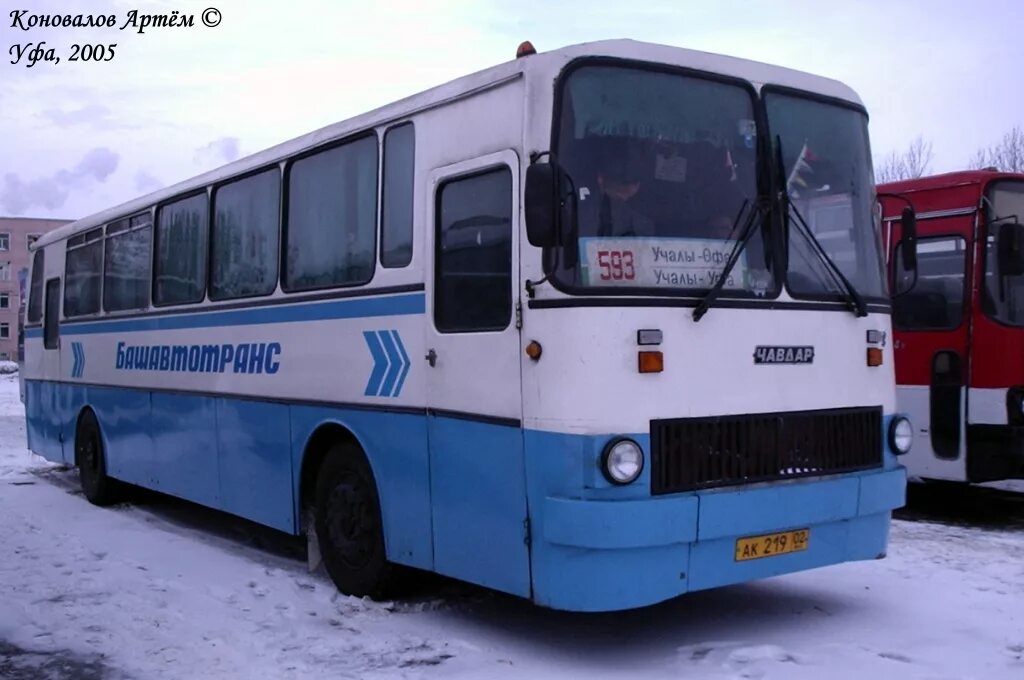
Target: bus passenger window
<point>331,232</point>
<point>473,271</point>
<point>180,273</point>
<point>127,264</point>
<point>245,227</point>
<point>83,267</point>
<point>35,295</point>
<point>396,207</point>
<point>51,328</point>
<point>936,302</point>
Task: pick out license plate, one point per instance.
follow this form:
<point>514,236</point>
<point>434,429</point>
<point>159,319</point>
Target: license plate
<point>770,545</point>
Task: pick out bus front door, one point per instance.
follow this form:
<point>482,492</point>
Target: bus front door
<point>49,407</point>
<point>931,321</point>
<point>473,349</point>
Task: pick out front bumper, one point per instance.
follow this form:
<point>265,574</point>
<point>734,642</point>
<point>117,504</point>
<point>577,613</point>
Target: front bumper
<point>596,555</point>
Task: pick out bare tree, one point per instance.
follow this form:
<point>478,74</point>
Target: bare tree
<point>909,164</point>
<point>918,157</point>
<point>979,160</point>
<point>1006,155</point>
<point>890,169</point>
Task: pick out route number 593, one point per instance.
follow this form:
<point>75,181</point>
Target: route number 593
<point>616,265</point>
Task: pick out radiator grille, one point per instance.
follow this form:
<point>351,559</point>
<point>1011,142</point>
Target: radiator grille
<point>700,453</point>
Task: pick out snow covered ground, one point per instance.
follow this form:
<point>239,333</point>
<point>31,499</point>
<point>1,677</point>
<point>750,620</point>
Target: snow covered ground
<point>163,589</point>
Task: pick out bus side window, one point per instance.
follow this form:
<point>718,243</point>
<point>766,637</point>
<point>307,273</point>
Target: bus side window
<point>35,296</point>
<point>396,206</point>
<point>936,302</point>
<point>330,230</point>
<point>473,271</point>
<point>51,322</point>
<point>246,212</point>
<point>82,274</point>
<point>127,263</point>
<point>179,272</point>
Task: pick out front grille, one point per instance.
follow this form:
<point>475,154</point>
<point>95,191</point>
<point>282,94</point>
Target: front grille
<point>699,453</point>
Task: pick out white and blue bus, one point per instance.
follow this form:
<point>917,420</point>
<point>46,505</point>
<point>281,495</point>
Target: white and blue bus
<point>595,327</point>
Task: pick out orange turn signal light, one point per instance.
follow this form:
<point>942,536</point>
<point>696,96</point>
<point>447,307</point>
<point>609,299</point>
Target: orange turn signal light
<point>534,350</point>
<point>874,356</point>
<point>650,362</point>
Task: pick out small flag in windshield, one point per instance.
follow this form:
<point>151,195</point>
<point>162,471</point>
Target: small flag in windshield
<point>801,168</point>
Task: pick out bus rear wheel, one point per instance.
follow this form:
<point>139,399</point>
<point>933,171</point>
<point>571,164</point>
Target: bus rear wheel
<point>348,525</point>
<point>98,488</point>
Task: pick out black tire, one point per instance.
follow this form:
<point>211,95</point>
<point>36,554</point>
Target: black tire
<point>349,528</point>
<point>98,488</point>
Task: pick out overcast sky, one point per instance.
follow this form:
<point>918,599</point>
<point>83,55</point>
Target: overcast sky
<point>76,138</point>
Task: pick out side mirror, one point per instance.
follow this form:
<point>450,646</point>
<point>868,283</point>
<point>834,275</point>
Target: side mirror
<point>542,205</point>
<point>550,206</point>
<point>908,239</point>
<point>1011,249</point>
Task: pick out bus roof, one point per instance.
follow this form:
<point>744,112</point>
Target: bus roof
<point>755,72</point>
<point>947,180</point>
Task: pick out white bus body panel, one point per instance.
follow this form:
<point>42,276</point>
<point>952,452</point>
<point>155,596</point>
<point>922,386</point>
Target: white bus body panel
<point>587,380</point>
<point>914,401</point>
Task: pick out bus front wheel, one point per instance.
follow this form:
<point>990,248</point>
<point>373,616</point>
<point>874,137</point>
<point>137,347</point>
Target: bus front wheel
<point>98,488</point>
<point>349,529</point>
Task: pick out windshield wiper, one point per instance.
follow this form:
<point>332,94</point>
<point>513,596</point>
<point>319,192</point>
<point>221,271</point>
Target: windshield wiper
<point>846,288</point>
<point>748,230</point>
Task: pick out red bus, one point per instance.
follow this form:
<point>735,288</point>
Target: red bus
<point>958,323</point>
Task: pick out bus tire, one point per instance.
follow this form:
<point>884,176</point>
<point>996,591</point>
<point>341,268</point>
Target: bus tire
<point>348,524</point>
<point>98,488</point>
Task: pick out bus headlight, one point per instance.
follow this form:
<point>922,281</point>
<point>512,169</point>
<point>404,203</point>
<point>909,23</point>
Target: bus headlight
<point>901,435</point>
<point>622,461</point>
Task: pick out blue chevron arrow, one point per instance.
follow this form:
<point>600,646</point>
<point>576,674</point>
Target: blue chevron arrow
<point>405,361</point>
<point>380,364</point>
<point>78,360</point>
<point>395,364</point>
<point>390,363</point>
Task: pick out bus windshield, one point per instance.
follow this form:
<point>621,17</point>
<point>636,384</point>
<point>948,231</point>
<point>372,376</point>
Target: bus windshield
<point>828,176</point>
<point>663,165</point>
<point>1004,294</point>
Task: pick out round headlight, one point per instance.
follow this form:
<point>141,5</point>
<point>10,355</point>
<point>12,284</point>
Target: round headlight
<point>622,462</point>
<point>901,435</point>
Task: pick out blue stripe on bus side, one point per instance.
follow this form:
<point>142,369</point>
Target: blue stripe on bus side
<point>398,305</point>
<point>239,455</point>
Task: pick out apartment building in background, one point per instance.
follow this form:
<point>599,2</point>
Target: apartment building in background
<point>16,235</point>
